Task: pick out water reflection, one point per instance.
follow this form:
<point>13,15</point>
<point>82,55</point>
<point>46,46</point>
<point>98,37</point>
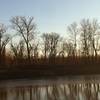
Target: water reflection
<point>80,91</point>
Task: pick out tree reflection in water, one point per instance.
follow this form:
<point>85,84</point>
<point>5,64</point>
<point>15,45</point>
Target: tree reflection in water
<point>80,91</point>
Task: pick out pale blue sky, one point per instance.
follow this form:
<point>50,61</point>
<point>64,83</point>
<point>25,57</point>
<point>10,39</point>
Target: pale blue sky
<point>50,15</point>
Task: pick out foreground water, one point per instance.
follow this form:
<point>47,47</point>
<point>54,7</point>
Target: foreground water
<point>59,88</point>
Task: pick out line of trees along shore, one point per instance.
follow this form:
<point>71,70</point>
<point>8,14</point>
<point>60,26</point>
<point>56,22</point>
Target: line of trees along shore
<point>82,41</point>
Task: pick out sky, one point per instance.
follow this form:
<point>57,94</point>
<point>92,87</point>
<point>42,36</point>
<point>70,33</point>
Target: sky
<point>50,15</point>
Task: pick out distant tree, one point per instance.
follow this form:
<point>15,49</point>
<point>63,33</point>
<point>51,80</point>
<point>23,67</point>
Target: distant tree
<point>62,48</point>
<point>66,48</point>
<point>85,37</point>
<point>88,36</point>
<point>46,48</point>
<point>73,32</point>
<point>4,39</point>
<point>93,28</point>
<point>69,48</point>
<point>50,43</point>
<point>26,28</point>
<point>14,49</point>
<point>18,50</point>
<point>36,53</point>
<point>35,50</point>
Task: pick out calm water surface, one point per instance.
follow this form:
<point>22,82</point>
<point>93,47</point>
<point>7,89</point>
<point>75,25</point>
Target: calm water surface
<point>59,88</point>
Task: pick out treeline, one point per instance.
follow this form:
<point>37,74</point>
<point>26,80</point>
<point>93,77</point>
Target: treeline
<point>82,42</point>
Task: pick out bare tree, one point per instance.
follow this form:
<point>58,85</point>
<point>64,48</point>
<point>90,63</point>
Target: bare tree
<point>14,49</point>
<point>88,36</point>
<point>26,28</point>
<point>66,49</point>
<point>45,38</point>
<point>73,32</point>
<point>4,39</point>
<point>53,41</point>
<point>50,43</point>
<point>62,48</point>
<point>93,28</point>
<point>18,50</point>
<point>69,48</point>
<point>35,50</point>
<point>85,36</point>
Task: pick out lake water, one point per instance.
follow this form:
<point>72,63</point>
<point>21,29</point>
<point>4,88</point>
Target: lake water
<point>59,88</point>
